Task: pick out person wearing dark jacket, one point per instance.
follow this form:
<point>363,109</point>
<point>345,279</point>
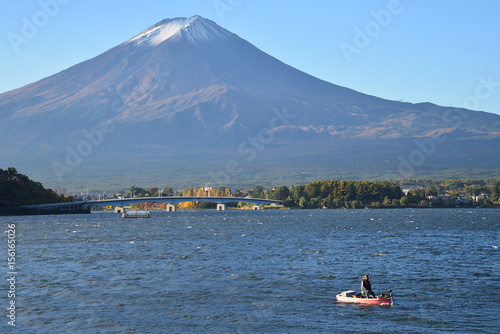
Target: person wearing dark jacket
<point>366,287</point>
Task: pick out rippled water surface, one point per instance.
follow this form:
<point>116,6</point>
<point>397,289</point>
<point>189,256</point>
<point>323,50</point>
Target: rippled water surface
<point>257,271</point>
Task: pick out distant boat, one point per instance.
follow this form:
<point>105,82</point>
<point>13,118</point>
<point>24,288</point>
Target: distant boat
<point>136,214</point>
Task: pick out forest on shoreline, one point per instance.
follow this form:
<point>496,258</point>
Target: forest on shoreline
<point>17,189</point>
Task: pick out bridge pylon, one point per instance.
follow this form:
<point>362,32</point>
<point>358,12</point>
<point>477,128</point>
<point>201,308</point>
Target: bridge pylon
<point>171,207</point>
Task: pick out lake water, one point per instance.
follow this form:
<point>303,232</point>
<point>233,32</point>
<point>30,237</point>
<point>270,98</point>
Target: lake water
<point>256,271</point>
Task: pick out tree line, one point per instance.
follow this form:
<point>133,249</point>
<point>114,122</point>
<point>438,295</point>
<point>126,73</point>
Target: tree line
<point>360,194</point>
<point>338,194</point>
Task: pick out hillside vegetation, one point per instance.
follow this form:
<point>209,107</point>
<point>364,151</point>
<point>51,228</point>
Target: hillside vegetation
<point>17,189</point>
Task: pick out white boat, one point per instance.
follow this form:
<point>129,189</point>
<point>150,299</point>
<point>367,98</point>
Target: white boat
<point>136,214</point>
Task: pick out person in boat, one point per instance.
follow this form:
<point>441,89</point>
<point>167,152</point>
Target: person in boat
<point>366,287</point>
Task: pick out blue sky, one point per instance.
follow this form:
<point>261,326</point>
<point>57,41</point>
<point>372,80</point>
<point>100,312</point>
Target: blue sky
<point>446,52</point>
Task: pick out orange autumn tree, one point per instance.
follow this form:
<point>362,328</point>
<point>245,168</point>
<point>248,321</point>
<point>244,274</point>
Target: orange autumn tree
<point>203,192</point>
<point>188,193</point>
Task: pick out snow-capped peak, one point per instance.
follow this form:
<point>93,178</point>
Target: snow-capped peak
<point>196,28</point>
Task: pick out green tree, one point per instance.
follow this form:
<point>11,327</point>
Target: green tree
<point>296,192</point>
<point>152,192</point>
<point>495,191</point>
<point>312,189</point>
<point>257,191</point>
<point>303,202</point>
<point>136,192</point>
<point>168,191</point>
<point>281,193</point>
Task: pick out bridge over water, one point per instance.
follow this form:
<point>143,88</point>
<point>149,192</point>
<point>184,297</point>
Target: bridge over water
<point>119,204</point>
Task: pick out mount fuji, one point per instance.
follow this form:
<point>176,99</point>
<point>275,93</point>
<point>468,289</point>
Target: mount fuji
<point>186,102</point>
